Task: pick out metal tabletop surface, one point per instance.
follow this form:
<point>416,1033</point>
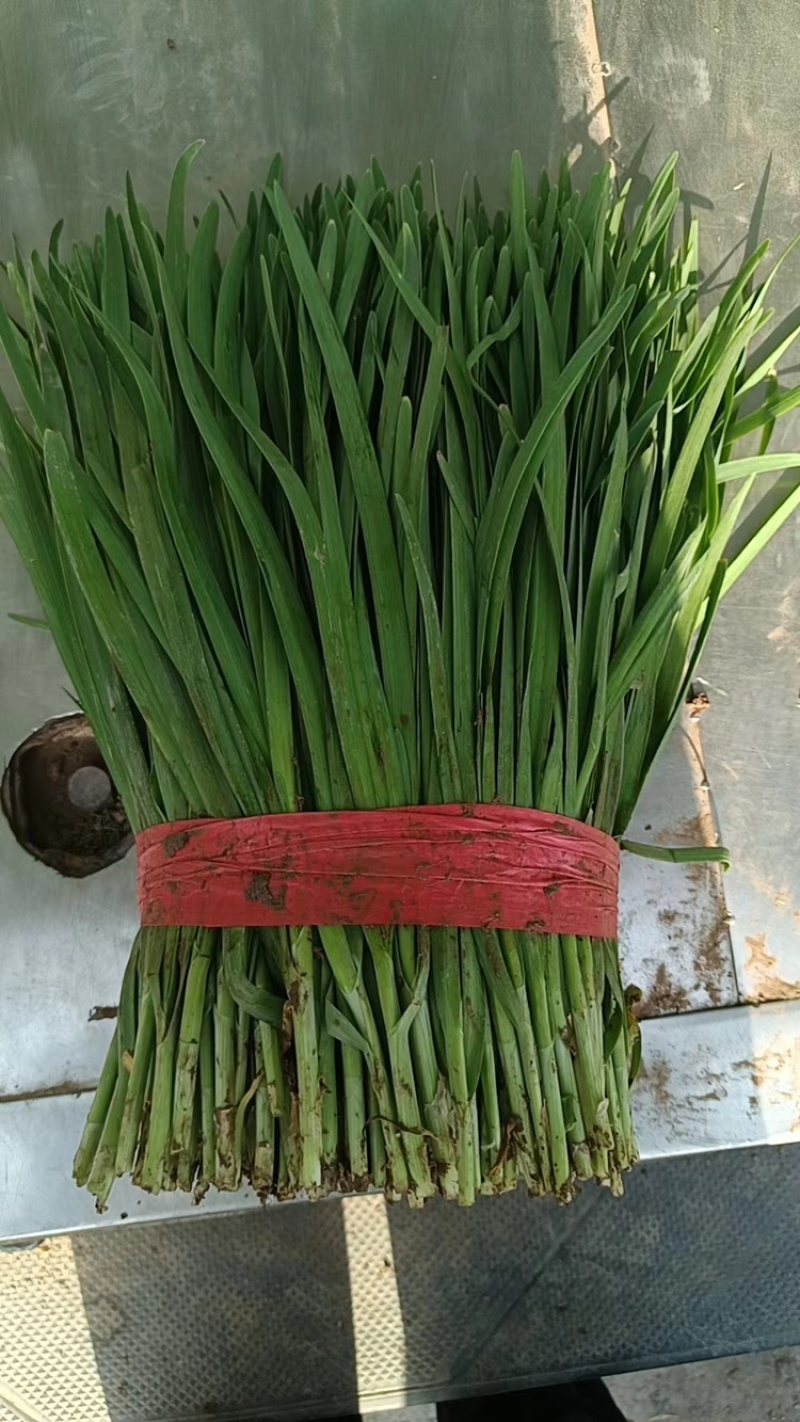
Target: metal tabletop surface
<point>718,961</point>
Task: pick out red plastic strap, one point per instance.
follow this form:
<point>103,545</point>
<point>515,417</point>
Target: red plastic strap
<point>462,866</point>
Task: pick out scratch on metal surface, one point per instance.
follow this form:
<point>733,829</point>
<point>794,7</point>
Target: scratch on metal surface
<point>683,80</point>
<point>64,1088</point>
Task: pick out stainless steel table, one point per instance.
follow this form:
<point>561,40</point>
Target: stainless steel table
<point>323,1303</point>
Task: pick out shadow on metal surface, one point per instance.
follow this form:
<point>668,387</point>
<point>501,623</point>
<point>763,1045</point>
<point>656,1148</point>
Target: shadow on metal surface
<point>299,1311</point>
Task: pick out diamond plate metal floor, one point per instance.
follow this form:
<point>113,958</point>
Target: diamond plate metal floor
<point>311,1310</point>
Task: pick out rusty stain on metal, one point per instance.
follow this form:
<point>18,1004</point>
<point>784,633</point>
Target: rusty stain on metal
<point>704,921</point>
<point>713,951</point>
<point>664,997</point>
<point>776,1075</point>
<point>654,1076</point>
<point>685,832</point>
<point>762,982</point>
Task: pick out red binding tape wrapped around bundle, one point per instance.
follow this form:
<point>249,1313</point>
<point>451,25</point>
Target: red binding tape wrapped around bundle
<point>459,866</point>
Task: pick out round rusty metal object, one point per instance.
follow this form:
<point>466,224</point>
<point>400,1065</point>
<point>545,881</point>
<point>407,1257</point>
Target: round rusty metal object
<point>60,801</point>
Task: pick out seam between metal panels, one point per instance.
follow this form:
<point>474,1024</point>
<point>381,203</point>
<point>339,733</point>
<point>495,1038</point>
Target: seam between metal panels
<point>592,72</point>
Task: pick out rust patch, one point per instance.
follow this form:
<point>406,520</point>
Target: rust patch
<point>711,959</point>
<point>655,1075</point>
<point>764,1066</point>
<point>776,1076</point>
<point>664,998</point>
<point>259,891</point>
<point>695,925</point>
<point>762,982</point>
<point>174,843</point>
<point>103,1014</point>
<point>688,831</point>
<point>697,873</point>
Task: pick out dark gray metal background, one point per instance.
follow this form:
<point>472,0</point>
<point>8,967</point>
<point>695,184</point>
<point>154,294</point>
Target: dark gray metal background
<point>249,1316</point>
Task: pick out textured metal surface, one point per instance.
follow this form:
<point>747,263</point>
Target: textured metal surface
<point>309,1310</point>
<point>129,85</point>
<point>299,1310</point>
<point>722,89</point>
<point>65,941</point>
<point>720,1080</point>
<point>756,768</point>
<point>674,924</point>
